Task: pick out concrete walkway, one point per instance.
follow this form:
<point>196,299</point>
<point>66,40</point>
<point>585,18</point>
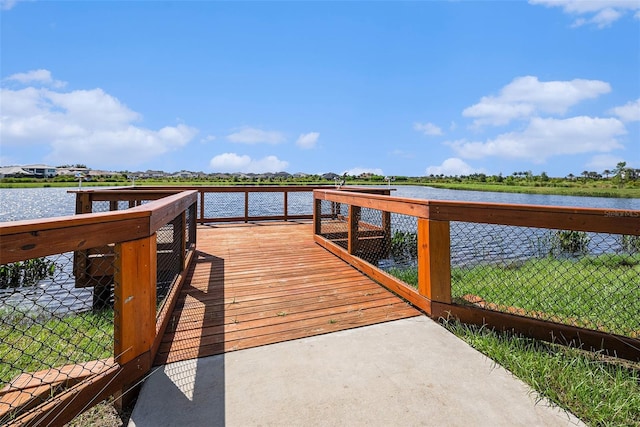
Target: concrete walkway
<point>401,373</point>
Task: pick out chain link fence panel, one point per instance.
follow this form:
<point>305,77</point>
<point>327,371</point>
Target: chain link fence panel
<point>588,280</point>
<point>54,324</point>
<point>224,205</point>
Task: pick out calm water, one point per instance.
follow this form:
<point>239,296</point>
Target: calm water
<point>60,295</point>
<point>31,203</point>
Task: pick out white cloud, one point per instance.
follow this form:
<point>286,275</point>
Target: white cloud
<point>601,13</point>
<point>452,167</point>
<point>232,162</point>
<point>359,171</point>
<point>82,126</point>
<point>40,76</point>
<point>427,129</point>
<point>248,135</point>
<point>8,4</point>
<point>548,137</point>
<point>308,140</point>
<point>629,112</point>
<point>606,17</point>
<point>127,146</point>
<point>604,161</point>
<point>526,96</point>
<point>208,138</point>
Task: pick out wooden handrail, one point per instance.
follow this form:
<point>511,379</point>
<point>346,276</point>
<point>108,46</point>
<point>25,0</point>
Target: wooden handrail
<point>85,198</point>
<point>20,240</point>
<point>617,221</point>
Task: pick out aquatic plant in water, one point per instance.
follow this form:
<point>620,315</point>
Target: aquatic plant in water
<point>25,273</point>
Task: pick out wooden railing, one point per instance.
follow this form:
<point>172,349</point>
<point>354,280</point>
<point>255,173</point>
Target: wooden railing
<point>138,325</point>
<point>206,213</point>
<point>434,292</point>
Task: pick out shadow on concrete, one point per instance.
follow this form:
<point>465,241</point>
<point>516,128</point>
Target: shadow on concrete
<point>185,385</point>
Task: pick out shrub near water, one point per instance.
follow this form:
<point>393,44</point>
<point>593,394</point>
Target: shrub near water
<point>25,273</point>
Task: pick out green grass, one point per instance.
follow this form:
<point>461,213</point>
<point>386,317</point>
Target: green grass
<point>30,343</point>
<point>599,391</point>
<point>596,292</point>
<point>602,190</point>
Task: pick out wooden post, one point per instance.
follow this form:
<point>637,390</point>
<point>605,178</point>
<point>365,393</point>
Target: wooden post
<point>113,205</point>
<point>317,216</point>
<point>193,225</point>
<point>246,206</point>
<point>83,202</point>
<point>201,204</point>
<point>354,220</point>
<point>286,205</point>
<point>434,260</point>
<point>134,298</point>
<point>386,228</point>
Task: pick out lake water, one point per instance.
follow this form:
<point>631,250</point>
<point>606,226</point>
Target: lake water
<point>60,295</point>
<point>32,203</point>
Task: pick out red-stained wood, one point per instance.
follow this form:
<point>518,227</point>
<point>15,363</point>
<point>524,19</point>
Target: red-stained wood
<point>63,407</point>
<point>434,265</point>
<point>388,281</point>
<point>587,339</point>
<point>252,285</point>
<point>134,298</point>
<point>571,218</point>
<point>29,390</point>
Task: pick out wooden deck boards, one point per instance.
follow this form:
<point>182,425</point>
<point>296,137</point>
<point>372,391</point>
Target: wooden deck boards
<point>253,285</point>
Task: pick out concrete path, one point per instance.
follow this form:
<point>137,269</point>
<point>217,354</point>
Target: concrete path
<point>402,373</point>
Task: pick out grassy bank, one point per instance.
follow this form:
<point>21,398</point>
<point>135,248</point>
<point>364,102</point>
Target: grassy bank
<point>600,391</point>
<point>575,190</point>
<point>591,292</point>
<point>587,292</point>
<point>30,344</point>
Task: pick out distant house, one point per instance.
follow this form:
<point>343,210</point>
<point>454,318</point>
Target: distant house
<point>281,175</point>
<point>330,176</point>
<point>14,172</point>
<point>100,173</point>
<point>41,171</point>
<point>154,174</point>
<point>71,171</point>
<point>184,174</point>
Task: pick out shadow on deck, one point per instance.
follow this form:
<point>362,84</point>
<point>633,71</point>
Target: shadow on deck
<point>258,284</point>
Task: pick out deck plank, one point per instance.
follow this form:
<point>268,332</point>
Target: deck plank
<point>253,285</point>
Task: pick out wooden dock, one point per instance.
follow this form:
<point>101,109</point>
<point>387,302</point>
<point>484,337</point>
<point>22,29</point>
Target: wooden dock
<point>257,284</point>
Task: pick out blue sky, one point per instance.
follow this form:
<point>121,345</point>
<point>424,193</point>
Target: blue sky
<point>395,88</point>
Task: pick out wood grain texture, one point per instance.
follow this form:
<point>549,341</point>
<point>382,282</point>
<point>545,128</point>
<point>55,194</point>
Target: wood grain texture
<point>257,284</point>
<point>134,298</point>
<point>434,260</point>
